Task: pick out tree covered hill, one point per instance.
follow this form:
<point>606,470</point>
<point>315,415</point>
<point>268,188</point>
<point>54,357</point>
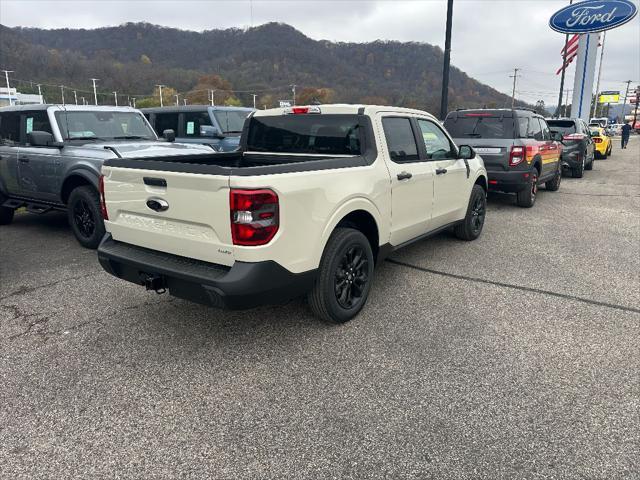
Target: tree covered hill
<point>134,57</point>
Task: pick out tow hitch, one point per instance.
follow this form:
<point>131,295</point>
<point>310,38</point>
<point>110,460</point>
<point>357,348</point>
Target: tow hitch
<point>156,283</point>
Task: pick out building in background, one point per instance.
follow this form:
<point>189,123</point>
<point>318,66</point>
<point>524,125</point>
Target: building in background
<point>12,97</point>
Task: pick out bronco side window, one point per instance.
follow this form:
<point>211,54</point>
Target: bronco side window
<point>10,128</point>
<point>37,121</point>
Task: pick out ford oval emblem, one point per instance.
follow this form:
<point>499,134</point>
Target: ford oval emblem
<point>593,16</point>
<point>157,204</point>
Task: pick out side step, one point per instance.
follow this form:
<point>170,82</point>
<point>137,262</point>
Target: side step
<point>34,208</point>
<point>31,207</point>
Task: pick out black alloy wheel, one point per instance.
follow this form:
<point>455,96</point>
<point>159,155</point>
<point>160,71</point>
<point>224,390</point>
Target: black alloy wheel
<point>351,277</point>
<point>478,212</point>
<point>83,218</point>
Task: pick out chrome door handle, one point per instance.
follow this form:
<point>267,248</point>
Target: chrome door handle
<point>404,176</point>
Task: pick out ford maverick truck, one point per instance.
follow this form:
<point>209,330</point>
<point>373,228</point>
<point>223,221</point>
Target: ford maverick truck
<point>314,197</point>
<point>50,159</point>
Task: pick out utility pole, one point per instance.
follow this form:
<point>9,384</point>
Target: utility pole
<point>635,113</point>
<point>62,93</point>
<point>254,100</point>
<point>624,104</point>
<point>115,96</point>
<point>293,89</point>
<point>40,93</point>
<point>566,103</point>
<point>595,104</point>
<point>95,93</point>
<point>160,88</point>
<point>211,93</point>
<point>444,96</point>
<point>6,76</point>
<point>177,95</point>
<point>513,94</point>
<point>185,101</point>
<point>84,101</point>
<point>75,97</point>
<point>564,62</point>
<point>134,101</point>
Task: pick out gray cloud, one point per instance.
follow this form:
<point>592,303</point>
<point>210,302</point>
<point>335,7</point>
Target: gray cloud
<point>490,37</point>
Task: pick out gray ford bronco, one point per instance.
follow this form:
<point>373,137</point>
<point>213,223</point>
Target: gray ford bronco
<point>51,155</point>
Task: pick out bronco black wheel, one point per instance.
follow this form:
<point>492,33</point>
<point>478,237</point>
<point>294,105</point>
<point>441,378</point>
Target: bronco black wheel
<point>527,197</point>
<point>344,277</point>
<point>84,216</point>
<point>471,227</point>
<point>553,185</point>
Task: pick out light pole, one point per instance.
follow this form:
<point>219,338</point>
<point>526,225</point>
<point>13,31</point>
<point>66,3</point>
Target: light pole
<point>75,97</point>
<point>40,93</point>
<point>293,89</point>
<point>177,95</point>
<point>624,104</point>
<point>444,97</point>
<point>213,92</point>
<point>84,101</point>
<point>160,88</point>
<point>254,100</point>
<point>6,76</point>
<point>134,101</point>
<point>95,93</point>
<point>62,93</point>
<point>115,96</point>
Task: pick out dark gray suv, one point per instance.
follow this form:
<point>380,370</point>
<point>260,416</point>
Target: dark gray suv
<point>517,146</point>
<point>579,151</point>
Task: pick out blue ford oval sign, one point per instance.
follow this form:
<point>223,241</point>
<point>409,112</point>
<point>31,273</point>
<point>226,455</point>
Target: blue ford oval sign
<point>593,16</point>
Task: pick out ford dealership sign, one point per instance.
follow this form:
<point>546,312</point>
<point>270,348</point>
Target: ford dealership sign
<point>593,16</point>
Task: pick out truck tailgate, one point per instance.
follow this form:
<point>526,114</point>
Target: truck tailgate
<point>194,224</point>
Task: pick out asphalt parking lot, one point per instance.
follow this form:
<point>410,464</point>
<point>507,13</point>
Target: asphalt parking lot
<point>515,356</point>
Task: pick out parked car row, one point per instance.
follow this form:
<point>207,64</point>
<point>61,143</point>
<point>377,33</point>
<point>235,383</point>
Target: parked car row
<point>252,208</point>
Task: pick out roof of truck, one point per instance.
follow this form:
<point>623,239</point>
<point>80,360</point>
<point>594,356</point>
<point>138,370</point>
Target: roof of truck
<point>193,108</point>
<point>343,108</point>
<point>83,108</point>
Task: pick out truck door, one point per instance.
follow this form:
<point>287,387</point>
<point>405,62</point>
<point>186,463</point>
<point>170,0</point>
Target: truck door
<point>9,141</point>
<point>450,191</point>
<point>39,167</point>
<point>411,179</point>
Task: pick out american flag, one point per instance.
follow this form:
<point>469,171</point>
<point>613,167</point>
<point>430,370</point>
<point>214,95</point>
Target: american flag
<point>572,51</point>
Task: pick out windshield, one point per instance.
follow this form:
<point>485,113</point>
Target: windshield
<point>231,121</point>
<point>562,126</point>
<point>479,126</point>
<point>103,125</point>
<point>312,134</point>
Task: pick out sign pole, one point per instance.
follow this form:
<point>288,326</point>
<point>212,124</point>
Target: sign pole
<point>585,73</point>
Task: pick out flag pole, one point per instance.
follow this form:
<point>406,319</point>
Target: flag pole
<point>564,67</point>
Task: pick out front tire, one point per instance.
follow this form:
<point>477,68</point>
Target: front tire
<point>553,185</point>
<point>471,227</point>
<point>527,197</point>
<point>85,217</point>
<point>344,277</point>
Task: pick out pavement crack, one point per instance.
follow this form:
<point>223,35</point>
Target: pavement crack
<point>24,289</point>
<point>516,287</point>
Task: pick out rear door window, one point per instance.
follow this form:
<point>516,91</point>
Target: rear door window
<point>400,139</point>
<point>10,128</point>
<point>37,121</point>
<point>546,134</point>
<point>480,125</point>
<point>166,121</point>
<point>322,134</point>
<point>535,130</point>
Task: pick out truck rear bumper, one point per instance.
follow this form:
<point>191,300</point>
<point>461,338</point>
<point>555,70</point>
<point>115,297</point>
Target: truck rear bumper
<point>244,285</point>
<point>511,182</point>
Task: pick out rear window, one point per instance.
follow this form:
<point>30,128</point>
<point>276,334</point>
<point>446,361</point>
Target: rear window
<point>562,126</point>
<point>476,126</point>
<point>326,134</point>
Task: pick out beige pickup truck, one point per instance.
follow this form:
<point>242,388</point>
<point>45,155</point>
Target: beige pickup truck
<point>315,196</point>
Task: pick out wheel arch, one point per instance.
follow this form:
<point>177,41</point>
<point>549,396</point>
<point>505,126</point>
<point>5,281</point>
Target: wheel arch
<point>74,180</point>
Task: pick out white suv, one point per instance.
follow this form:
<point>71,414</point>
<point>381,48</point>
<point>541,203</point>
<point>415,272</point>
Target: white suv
<point>312,200</point>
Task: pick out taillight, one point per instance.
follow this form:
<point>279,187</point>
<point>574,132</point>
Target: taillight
<point>573,136</point>
<point>517,156</point>
<point>302,110</point>
<point>103,203</point>
<point>254,216</point>
<point>597,140</point>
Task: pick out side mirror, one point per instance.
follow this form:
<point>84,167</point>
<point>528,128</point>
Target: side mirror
<point>38,138</point>
<point>169,135</point>
<point>210,131</point>
<point>465,152</point>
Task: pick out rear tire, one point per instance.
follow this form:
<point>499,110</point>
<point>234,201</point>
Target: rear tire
<point>578,172</point>
<point>471,227</point>
<point>553,185</point>
<point>527,197</point>
<point>6,213</point>
<point>344,277</point>
<point>85,216</point>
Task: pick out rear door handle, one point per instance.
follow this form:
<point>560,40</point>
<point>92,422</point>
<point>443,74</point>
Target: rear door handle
<point>404,176</point>
<point>154,181</point>
<point>441,171</point>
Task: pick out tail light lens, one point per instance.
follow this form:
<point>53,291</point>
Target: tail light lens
<point>517,155</point>
<point>254,216</point>
<point>597,140</point>
<point>103,203</point>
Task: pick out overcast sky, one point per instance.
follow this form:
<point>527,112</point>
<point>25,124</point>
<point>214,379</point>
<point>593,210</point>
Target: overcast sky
<point>490,37</point>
